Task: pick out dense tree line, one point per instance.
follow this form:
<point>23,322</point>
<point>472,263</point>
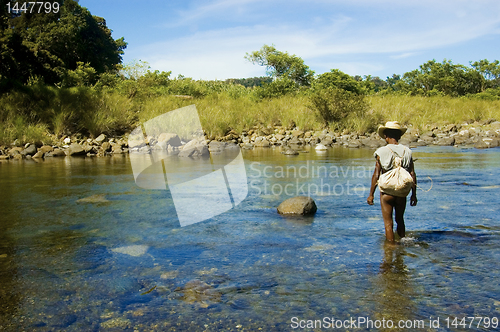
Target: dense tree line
<point>70,47</point>
<point>250,82</point>
<point>433,78</point>
<point>51,46</point>
<point>339,98</point>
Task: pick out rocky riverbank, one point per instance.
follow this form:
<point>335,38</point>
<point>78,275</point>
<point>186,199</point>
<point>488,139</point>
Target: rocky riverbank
<point>481,135</point>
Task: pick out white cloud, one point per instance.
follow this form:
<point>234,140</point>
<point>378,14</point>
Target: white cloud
<point>218,53</point>
<point>225,9</point>
<point>402,56</point>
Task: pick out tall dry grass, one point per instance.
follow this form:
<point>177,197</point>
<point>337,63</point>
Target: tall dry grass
<point>220,113</point>
<point>422,112</point>
<point>32,114</point>
<point>37,111</point>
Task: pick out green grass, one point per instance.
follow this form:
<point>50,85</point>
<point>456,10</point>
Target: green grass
<point>38,113</point>
<point>422,112</point>
<point>219,113</point>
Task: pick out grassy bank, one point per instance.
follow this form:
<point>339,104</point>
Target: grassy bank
<point>422,112</point>
<point>220,113</point>
<point>41,113</point>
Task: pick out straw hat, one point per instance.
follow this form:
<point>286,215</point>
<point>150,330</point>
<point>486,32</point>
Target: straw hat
<point>391,125</point>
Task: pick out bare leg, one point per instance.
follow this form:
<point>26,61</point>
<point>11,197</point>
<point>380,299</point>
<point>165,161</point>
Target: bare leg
<point>400,206</point>
<point>387,204</point>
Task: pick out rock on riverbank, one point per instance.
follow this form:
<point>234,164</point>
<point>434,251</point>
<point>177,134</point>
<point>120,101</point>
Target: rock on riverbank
<point>67,146</point>
<point>481,135</point>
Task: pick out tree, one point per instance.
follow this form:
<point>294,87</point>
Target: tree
<point>490,71</point>
<point>336,106</point>
<point>277,88</point>
<point>338,97</point>
<point>135,69</point>
<point>279,65</point>
<point>250,82</point>
<point>375,84</point>
<point>48,45</point>
<point>443,78</point>
<point>339,80</point>
<point>393,82</point>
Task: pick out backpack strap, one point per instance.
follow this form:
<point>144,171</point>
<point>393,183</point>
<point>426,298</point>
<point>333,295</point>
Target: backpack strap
<point>395,152</point>
<point>396,163</point>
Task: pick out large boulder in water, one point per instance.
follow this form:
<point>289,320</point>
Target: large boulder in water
<point>300,205</point>
<point>195,148</point>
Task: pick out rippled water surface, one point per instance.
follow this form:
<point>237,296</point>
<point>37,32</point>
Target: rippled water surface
<point>119,260</point>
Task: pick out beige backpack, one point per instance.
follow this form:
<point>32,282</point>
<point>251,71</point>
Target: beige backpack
<point>397,181</point>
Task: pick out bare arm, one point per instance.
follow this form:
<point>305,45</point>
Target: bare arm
<point>413,198</point>
<point>375,176</point>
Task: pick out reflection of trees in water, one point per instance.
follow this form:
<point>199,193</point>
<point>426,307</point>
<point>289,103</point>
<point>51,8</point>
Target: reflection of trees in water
<point>393,288</point>
<point>9,297</point>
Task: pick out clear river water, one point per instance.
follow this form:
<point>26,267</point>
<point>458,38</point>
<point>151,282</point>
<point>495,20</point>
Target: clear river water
<point>83,248</point>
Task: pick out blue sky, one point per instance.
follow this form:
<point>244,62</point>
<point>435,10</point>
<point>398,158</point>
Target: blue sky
<point>209,39</point>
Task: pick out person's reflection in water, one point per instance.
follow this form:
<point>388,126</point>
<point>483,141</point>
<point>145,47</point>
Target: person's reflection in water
<point>393,262</point>
<point>395,289</point>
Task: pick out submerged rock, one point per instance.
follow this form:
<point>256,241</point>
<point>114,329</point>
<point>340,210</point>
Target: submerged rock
<point>117,323</point>
<point>134,250</point>
<point>196,291</point>
<point>300,205</point>
<point>98,198</point>
<point>290,152</point>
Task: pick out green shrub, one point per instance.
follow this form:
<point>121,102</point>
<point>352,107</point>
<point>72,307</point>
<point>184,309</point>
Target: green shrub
<point>338,80</point>
<point>188,87</point>
<point>488,94</point>
<point>83,75</point>
<point>279,87</point>
<point>335,106</point>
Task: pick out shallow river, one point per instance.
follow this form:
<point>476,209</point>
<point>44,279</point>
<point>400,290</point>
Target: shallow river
<point>121,260</point>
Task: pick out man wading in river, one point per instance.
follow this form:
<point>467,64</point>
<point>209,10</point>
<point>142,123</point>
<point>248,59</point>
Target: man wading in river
<point>387,160</point>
